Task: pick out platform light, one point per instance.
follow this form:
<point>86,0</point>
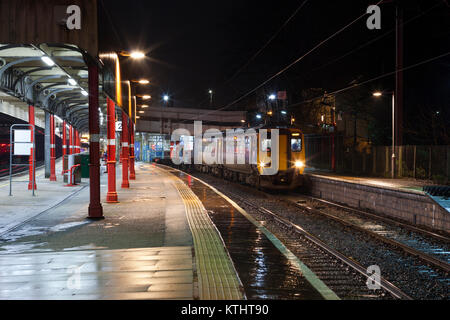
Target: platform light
<point>146,97</point>
<point>166,98</point>
<point>137,55</point>
<point>272,97</point>
<point>143,81</point>
<point>72,82</point>
<point>270,113</point>
<point>377,94</point>
<point>258,116</point>
<point>48,61</point>
<point>299,164</point>
<point>283,112</point>
<point>84,93</point>
<point>243,121</point>
<point>144,106</point>
<point>141,111</point>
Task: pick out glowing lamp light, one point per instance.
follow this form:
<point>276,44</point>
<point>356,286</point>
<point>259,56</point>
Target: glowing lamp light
<point>272,97</point>
<point>144,81</point>
<point>283,112</point>
<point>72,82</point>
<point>84,93</point>
<point>299,164</point>
<point>48,61</point>
<point>166,98</point>
<point>243,121</point>
<point>137,55</point>
<point>146,97</point>
<point>258,116</point>
<point>144,106</point>
<point>377,94</point>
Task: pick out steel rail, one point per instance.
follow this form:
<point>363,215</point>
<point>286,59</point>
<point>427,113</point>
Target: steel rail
<point>411,251</point>
<point>384,219</point>
<point>389,287</point>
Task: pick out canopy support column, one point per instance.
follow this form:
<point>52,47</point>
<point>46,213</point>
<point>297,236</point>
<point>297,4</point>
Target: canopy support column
<point>111,196</point>
<point>32,173</point>
<point>132,172</point>
<point>95,207</point>
<point>125,154</point>
<point>52,148</point>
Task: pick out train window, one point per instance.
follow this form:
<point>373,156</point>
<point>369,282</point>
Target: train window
<point>266,145</point>
<point>296,144</point>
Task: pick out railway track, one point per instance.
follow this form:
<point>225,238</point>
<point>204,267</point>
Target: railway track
<point>329,266</point>
<point>427,246</point>
<point>342,274</point>
<point>412,259</point>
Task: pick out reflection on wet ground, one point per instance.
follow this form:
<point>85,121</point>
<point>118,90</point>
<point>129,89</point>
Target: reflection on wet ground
<point>264,271</point>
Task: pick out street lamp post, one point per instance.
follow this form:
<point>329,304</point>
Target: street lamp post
<point>210,97</point>
<point>379,94</point>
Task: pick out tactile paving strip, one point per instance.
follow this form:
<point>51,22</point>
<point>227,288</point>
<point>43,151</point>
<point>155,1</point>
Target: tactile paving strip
<point>217,277</point>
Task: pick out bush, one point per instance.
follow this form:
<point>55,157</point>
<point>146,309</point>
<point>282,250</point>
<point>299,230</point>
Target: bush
<point>421,173</point>
<point>439,179</point>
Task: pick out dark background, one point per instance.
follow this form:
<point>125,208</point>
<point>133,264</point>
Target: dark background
<point>192,46</point>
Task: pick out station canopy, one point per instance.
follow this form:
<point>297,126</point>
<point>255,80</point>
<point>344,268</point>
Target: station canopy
<point>53,77</point>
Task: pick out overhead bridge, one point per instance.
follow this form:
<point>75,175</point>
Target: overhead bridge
<point>163,120</point>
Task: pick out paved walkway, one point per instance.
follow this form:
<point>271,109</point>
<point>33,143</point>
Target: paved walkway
<point>143,249</point>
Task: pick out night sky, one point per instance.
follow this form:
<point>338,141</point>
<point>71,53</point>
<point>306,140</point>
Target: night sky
<point>196,45</point>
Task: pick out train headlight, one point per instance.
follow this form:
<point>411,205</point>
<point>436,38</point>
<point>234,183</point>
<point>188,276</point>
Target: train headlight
<point>262,164</point>
<point>299,164</point>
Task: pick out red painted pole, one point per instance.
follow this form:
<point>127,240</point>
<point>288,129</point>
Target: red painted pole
<point>79,142</point>
<point>64,142</point>
<point>111,196</point>
<point>125,155</point>
<point>77,139</point>
<point>95,207</point>
<point>32,173</point>
<point>132,172</point>
<point>70,140</point>
<point>64,139</point>
<point>52,148</point>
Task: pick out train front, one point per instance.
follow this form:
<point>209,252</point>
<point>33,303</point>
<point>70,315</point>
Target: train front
<point>291,160</point>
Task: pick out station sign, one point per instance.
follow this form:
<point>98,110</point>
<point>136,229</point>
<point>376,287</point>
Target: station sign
<point>22,143</point>
<point>119,126</point>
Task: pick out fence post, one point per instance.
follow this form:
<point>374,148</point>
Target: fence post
<point>386,166</point>
<point>400,160</point>
<point>374,160</point>
<point>448,163</point>
<point>429,162</point>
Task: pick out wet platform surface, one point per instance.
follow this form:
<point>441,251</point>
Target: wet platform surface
<point>264,271</point>
<point>146,273</point>
<point>143,249</point>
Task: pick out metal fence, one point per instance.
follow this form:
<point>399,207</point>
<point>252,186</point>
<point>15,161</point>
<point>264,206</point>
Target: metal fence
<point>359,158</point>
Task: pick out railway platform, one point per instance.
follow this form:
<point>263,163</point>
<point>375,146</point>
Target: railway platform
<point>402,199</point>
<point>171,236</point>
<point>156,243</point>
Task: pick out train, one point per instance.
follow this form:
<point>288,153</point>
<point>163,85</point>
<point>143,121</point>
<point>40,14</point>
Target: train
<point>256,149</point>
